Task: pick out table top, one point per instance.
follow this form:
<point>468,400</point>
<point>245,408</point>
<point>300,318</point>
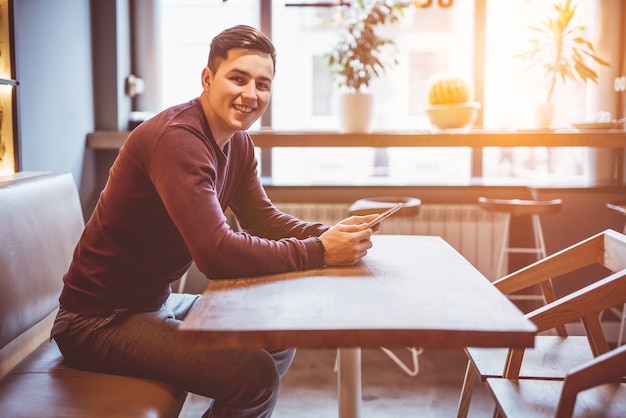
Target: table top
<point>408,291</point>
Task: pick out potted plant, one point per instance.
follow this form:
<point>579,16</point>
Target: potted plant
<point>450,105</point>
<point>361,55</point>
<point>562,51</point>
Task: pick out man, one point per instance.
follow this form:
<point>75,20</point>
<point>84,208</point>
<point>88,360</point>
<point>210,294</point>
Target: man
<point>162,207</point>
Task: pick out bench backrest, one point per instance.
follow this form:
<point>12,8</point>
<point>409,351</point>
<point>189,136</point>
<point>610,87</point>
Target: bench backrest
<point>40,223</point>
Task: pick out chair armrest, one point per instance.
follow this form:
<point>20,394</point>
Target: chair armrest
<point>583,304</point>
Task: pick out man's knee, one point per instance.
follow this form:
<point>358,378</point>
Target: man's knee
<point>256,391</point>
<point>263,375</point>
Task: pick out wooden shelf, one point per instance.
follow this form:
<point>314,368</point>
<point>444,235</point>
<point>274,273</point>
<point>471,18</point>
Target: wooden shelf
<point>112,140</point>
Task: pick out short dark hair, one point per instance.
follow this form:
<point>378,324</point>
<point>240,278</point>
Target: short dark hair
<point>240,36</point>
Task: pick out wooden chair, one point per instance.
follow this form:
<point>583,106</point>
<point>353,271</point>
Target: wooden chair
<point>553,355</point>
<point>517,397</point>
<point>620,312</point>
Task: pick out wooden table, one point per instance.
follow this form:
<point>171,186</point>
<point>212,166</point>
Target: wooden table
<point>410,291</point>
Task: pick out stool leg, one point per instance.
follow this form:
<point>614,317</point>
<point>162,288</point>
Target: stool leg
<point>540,244</point>
<point>504,246</point>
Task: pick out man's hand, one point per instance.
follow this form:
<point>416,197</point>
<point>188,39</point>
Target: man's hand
<point>358,220</point>
<point>348,241</point>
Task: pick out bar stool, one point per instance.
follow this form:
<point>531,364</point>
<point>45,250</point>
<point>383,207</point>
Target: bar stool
<point>519,207</point>
<point>619,207</point>
<point>410,208</point>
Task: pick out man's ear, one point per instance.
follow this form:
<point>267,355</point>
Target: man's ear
<point>207,76</point>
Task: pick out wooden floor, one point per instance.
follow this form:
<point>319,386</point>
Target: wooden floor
<point>309,390</point>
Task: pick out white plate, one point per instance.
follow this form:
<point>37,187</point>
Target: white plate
<point>592,126</point>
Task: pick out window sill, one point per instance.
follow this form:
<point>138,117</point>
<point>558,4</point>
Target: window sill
<point>266,139</point>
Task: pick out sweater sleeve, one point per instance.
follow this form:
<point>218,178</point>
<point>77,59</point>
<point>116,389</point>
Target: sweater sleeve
<point>254,210</point>
<point>197,182</point>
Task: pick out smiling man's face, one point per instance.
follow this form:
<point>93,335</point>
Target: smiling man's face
<point>238,93</point>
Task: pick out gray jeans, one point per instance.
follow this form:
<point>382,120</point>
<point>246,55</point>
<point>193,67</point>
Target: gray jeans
<point>244,384</point>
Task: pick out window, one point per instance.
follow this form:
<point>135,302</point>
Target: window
<point>429,40</point>
<point>512,88</point>
<point>304,97</point>
<point>512,91</point>
<point>187,27</point>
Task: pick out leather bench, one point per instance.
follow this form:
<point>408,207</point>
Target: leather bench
<point>40,222</point>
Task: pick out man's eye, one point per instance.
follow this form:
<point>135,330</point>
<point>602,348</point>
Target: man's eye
<point>263,86</point>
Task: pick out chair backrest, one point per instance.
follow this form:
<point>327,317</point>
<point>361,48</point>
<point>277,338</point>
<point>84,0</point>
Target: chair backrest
<point>585,305</point>
<point>614,250</point>
<point>608,249</point>
<point>607,368</point>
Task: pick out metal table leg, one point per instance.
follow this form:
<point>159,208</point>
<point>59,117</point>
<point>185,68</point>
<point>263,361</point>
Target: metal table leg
<point>349,382</point>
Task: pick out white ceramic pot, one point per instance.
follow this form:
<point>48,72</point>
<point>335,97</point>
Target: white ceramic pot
<point>544,115</point>
<point>356,111</point>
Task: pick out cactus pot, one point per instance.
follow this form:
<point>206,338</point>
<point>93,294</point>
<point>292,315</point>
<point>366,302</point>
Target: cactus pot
<point>453,116</point>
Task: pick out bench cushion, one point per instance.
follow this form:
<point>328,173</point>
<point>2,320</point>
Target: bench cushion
<point>43,386</point>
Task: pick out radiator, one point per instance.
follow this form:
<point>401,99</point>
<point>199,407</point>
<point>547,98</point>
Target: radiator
<point>473,232</point>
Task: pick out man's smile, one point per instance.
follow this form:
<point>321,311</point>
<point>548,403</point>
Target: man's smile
<point>244,109</point>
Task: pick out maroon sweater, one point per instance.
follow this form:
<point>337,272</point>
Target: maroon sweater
<point>163,206</point>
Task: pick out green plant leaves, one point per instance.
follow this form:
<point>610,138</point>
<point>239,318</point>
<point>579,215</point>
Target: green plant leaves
<point>561,50</point>
<point>361,54</point>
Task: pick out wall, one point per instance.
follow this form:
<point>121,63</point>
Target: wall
<point>55,100</point>
<point>61,47</point>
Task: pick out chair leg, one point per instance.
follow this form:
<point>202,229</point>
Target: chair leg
<point>620,313</point>
<point>621,326</point>
<point>620,338</point>
<point>471,376</point>
<point>497,413</point>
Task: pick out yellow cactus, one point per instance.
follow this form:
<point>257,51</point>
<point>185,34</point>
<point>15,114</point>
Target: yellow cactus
<point>448,89</point>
